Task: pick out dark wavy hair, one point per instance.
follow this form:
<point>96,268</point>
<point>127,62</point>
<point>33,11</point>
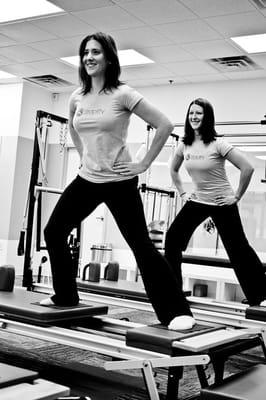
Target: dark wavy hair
<point>113,69</point>
<point>207,129</point>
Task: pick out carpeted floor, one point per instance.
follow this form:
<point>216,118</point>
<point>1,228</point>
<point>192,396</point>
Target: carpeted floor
<point>36,353</point>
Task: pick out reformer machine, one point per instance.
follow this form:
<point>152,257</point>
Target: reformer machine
<point>141,346</point>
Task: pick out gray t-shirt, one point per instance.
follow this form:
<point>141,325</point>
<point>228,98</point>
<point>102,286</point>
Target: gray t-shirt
<point>102,122</point>
<point>205,164</point>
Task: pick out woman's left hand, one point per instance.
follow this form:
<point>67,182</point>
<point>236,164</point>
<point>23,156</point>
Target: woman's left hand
<point>226,200</point>
<point>128,168</point>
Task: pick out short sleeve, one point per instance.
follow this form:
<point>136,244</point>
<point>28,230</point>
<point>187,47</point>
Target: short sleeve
<point>130,97</point>
<point>72,102</point>
<point>223,147</point>
<point>180,149</point>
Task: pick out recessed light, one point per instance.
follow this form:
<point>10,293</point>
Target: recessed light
<point>252,43</point>
<point>126,58</point>
<point>13,10</point>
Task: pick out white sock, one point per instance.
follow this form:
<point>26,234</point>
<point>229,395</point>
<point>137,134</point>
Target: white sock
<point>263,303</point>
<point>47,302</point>
<point>181,323</point>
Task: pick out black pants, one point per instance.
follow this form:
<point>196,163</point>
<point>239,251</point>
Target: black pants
<point>247,266</point>
<point>122,198</point>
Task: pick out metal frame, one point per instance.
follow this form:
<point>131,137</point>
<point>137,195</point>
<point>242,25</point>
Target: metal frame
<point>38,160</point>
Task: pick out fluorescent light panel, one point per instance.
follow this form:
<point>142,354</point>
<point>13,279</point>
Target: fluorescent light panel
<point>126,58</point>
<point>6,75</point>
<point>252,43</point>
<point>12,10</point>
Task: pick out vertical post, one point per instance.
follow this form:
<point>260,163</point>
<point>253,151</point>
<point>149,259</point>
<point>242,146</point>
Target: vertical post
<point>27,271</point>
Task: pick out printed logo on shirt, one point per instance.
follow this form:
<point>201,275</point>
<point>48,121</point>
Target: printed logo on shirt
<point>193,157</point>
<point>90,111</point>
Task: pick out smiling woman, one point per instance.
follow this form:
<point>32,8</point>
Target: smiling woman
<point>204,156</point>
<point>99,115</point>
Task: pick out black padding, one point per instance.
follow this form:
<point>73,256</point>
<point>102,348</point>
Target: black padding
<point>10,375</point>
<point>23,305</point>
<point>7,278</point>
<point>111,271</point>
<point>256,312</point>
<point>159,338</point>
<point>248,385</point>
<point>94,272</point>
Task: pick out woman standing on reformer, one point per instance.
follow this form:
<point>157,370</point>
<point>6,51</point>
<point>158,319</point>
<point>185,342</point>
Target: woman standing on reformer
<point>204,155</point>
<point>99,113</point>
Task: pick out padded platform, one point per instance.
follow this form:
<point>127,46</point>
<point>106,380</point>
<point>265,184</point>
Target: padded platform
<point>256,312</point>
<point>248,385</point>
<point>10,375</point>
<point>122,288</point>
<point>22,305</point>
<point>16,383</point>
<point>159,338</point>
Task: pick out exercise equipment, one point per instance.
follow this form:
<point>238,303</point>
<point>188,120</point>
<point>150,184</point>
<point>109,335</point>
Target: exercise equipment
<point>7,278</point>
<point>111,271</point>
<point>94,272</point>
<point>248,385</point>
<point>22,383</point>
<point>25,306</point>
<point>144,347</point>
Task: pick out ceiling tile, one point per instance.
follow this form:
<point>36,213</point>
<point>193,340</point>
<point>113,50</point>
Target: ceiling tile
<point>167,54</point>
<point>140,37</point>
<point>109,18</point>
<point>239,24</point>
<point>211,49</point>
<point>259,59</point>
<point>156,82</point>
<point>246,74</point>
<point>206,78</point>
<point>190,68</point>
<point>24,32</point>
<point>63,25</point>
<point>56,48</point>
<point>209,8</point>
<point>6,41</point>
<point>20,70</point>
<point>150,71</point>
<point>153,12</point>
<point>51,67</point>
<point>78,5</point>
<point>5,61</point>
<point>188,31</point>
<point>22,53</point>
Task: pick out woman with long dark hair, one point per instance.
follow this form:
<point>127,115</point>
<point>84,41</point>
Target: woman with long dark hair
<point>204,155</point>
<point>99,114</point>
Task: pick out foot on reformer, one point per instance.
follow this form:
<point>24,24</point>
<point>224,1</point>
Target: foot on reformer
<point>263,303</point>
<point>181,323</point>
<point>47,302</point>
